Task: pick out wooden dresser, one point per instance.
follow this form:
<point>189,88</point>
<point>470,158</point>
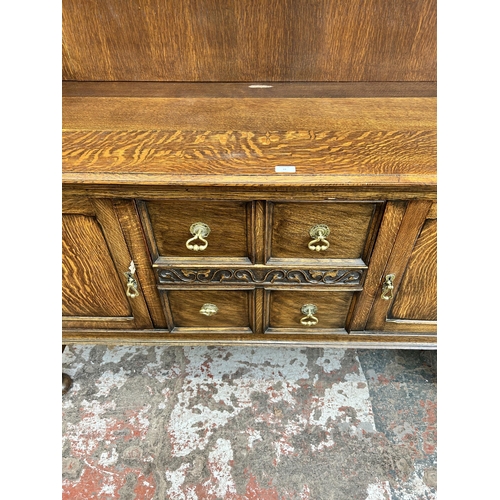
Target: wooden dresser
<point>218,190</point>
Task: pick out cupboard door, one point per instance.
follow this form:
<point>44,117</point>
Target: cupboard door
<point>406,299</point>
<point>416,299</point>
<point>95,258</point>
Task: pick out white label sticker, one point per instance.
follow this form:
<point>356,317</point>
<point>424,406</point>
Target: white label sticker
<point>285,168</point>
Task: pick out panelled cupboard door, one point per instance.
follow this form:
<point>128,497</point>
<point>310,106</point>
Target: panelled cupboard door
<point>407,297</point>
<point>94,259</point>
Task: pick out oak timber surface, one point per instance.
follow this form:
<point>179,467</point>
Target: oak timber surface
<point>164,337</point>
<point>249,40</point>
<point>90,284</point>
<point>285,309</point>
<point>174,139</point>
<point>259,90</point>
<point>417,295</point>
<point>170,222</point>
<point>349,224</point>
<point>233,310</point>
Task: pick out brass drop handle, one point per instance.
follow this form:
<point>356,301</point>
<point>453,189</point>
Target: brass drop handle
<point>132,291</point>
<point>200,231</point>
<point>209,309</point>
<point>388,287</point>
<point>309,319</point>
<point>319,233</point>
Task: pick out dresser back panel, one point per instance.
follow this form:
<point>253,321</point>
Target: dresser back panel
<point>249,40</point>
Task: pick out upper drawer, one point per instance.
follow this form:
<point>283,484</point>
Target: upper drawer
<point>321,230</point>
<point>196,229</point>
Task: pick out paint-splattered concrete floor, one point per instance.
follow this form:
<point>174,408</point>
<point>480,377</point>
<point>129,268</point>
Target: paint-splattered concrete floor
<point>193,423</point>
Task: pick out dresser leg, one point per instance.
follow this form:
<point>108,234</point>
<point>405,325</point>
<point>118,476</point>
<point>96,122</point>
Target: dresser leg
<point>67,382</point>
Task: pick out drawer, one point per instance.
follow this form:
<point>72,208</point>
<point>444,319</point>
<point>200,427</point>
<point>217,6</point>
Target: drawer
<point>339,230</point>
<point>199,311</point>
<point>308,311</point>
<point>195,229</point>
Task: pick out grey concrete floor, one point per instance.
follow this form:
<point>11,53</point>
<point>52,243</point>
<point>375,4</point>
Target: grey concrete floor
<point>249,423</point>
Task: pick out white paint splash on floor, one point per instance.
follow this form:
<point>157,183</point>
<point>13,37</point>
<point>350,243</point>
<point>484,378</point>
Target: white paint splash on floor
<point>415,487</point>
<point>108,459</point>
<point>86,435</point>
<point>177,478</point>
<point>379,491</point>
<point>109,380</point>
<point>191,427</point>
<point>353,394</point>
<point>114,354</point>
<point>330,361</point>
<point>221,484</point>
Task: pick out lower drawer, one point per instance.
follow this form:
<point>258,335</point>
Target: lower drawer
<point>299,311</point>
<point>232,311</point>
<point>210,311</point>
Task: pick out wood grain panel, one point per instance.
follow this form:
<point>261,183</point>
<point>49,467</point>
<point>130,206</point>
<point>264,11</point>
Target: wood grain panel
<point>285,309</point>
<point>116,242</point>
<point>348,222</point>
<point>260,311</point>
<point>182,140</point>
<point>341,340</point>
<point>260,221</point>
<point>233,308</point>
<point>409,155</point>
<point>409,230</point>
<point>223,114</point>
<point>78,205</point>
<point>90,283</point>
<point>171,221</point>
<point>134,236</point>
<point>417,295</point>
<point>296,90</point>
<point>393,214</point>
<point>253,187</point>
<point>249,40</point>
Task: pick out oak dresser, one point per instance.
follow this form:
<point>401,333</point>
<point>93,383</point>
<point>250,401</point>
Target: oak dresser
<point>240,174</point>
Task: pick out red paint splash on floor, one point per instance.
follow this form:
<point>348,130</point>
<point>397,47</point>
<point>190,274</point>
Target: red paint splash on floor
<point>97,482</point>
<point>430,434</point>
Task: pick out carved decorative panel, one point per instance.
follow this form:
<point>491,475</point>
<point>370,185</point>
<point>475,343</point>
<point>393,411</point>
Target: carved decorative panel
<point>262,276</point>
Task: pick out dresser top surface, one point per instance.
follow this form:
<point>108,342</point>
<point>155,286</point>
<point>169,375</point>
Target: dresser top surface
<point>209,134</point>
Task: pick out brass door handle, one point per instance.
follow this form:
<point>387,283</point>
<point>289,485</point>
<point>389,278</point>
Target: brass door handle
<point>319,233</point>
<point>309,310</point>
<point>132,291</point>
<point>200,231</point>
<point>388,287</point>
<point>209,309</point>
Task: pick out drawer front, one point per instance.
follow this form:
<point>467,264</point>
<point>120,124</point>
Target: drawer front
<point>308,311</point>
<point>340,230</point>
<point>209,310</point>
<point>196,229</point>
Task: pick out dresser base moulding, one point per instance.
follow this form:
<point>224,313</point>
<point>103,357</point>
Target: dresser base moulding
<point>359,340</point>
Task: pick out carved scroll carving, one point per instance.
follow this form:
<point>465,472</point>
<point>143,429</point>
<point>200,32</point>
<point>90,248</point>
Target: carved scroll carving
<point>262,276</point>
